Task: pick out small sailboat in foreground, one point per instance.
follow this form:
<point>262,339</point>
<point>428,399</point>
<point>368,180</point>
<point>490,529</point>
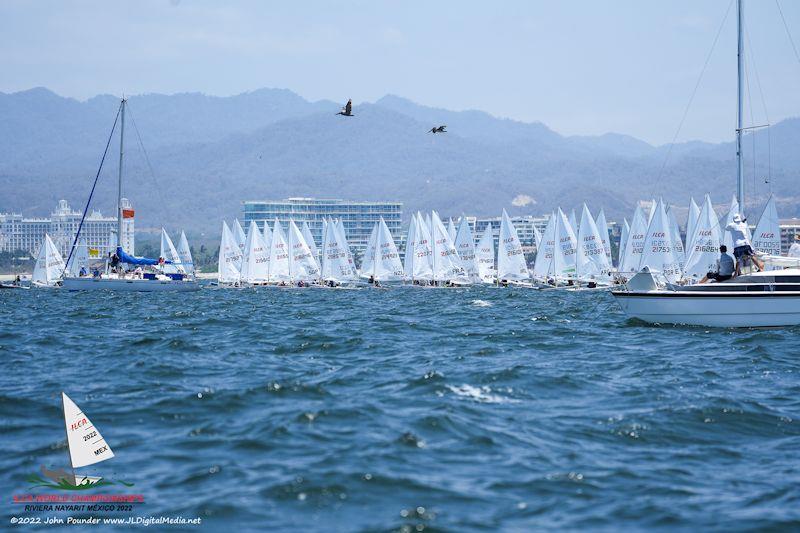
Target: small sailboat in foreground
<point>85,447</point>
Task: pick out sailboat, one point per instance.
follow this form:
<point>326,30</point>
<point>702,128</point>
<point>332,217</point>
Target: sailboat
<point>337,262</point>
<point>85,446</point>
<point>761,299</point>
<point>49,266</point>
<point>484,257</point>
<point>511,266</point>
<point>381,260</point>
<point>125,272</point>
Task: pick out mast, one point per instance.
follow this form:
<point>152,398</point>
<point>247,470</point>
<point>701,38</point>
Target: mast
<point>119,179</point>
<point>739,109</point>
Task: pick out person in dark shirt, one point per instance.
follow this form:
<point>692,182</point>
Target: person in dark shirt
<point>725,267</point>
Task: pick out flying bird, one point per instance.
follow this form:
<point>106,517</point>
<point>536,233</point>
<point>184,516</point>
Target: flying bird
<point>347,110</point>
<point>438,129</point>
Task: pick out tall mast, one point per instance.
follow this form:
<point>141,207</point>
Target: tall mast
<point>119,182</point>
<point>739,109</point>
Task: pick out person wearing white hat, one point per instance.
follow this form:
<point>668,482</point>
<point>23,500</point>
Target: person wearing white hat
<point>794,249</point>
<point>741,243</point>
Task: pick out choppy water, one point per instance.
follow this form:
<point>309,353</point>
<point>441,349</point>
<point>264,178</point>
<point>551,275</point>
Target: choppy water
<point>475,409</point>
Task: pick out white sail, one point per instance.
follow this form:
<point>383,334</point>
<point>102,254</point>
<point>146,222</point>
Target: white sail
<point>573,222</point>
<point>623,242</point>
<point>340,231</point>
<point>267,235</point>
<point>303,265</point>
<point>652,212</point>
<point>591,261</point>
<point>169,253</point>
<point>702,255</point>
<point>79,260</point>
<point>86,445</point>
<point>337,264</point>
<point>677,241</point>
<point>229,257</point>
<point>465,246</point>
<point>368,261</point>
<point>185,255</point>
<point>447,264</point>
<point>381,260</point>
<point>659,249</point>
<point>451,230</point>
<point>423,255</point>
<point>309,238</point>
<point>411,243</point>
<point>691,223</point>
<point>567,242</point>
<point>278,269</point>
<point>634,245</point>
<point>510,258</point>
<point>602,227</point>
<point>537,237</point>
<point>49,265</point>
<point>240,238</point>
<point>543,267</point>
<point>256,257</point>
<point>484,257</point>
<point>767,237</point>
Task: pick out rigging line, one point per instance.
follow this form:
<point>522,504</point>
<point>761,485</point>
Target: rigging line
<point>763,105</point>
<point>749,93</point>
<point>147,160</point>
<point>694,92</point>
<point>788,33</point>
<point>94,185</point>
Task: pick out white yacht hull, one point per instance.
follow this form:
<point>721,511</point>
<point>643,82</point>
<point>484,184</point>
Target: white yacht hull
<point>129,285</point>
<point>739,310</point>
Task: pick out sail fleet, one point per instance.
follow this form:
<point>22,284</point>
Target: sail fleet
<point>573,251</point>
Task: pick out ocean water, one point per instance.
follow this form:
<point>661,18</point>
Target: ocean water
<point>459,410</point>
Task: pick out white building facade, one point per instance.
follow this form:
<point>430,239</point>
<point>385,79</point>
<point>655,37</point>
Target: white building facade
<point>20,234</point>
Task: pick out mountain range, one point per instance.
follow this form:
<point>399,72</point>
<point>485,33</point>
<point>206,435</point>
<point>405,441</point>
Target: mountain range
<point>191,159</point>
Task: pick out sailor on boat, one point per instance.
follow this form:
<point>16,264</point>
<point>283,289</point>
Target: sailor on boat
<point>794,249</point>
<point>742,251</point>
<point>724,267</point>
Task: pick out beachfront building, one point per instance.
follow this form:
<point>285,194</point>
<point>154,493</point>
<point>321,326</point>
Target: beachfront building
<point>18,233</point>
<point>358,217</point>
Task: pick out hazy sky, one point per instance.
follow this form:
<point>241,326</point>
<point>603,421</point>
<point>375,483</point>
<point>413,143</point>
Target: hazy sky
<point>579,66</point>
